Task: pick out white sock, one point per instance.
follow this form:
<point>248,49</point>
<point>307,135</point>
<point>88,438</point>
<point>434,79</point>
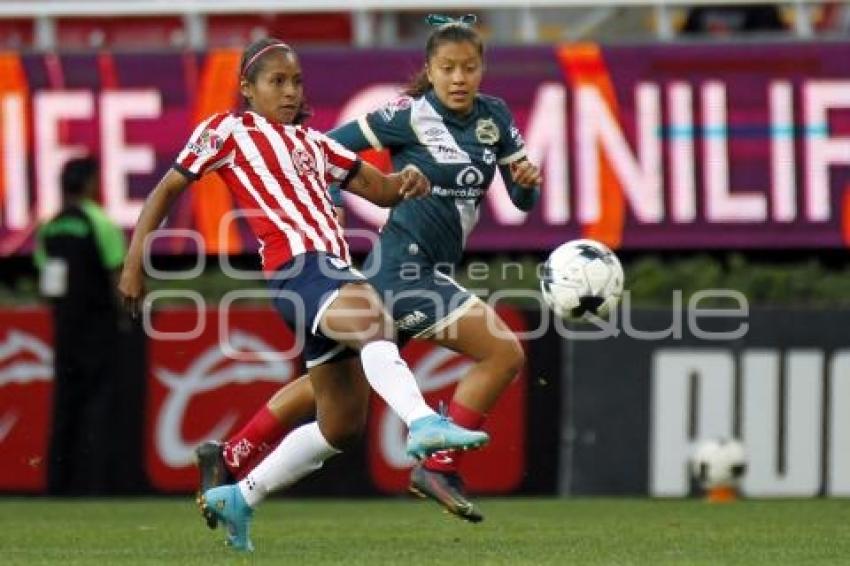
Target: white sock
<point>390,377</point>
<point>301,452</point>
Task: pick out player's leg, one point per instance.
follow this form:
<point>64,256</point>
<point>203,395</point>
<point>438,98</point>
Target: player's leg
<point>64,432</point>
<point>498,355</point>
<point>346,318</point>
<point>470,327</point>
<point>290,406</point>
<point>220,463</point>
<point>358,320</point>
<point>342,400</point>
<point>342,397</point>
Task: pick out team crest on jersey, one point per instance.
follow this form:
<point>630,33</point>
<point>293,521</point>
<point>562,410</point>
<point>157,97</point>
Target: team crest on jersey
<point>488,157</point>
<point>487,131</point>
<point>389,110</point>
<point>303,162</point>
<point>208,142</point>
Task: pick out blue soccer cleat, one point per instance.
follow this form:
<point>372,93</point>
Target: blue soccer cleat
<point>227,503</point>
<point>434,433</point>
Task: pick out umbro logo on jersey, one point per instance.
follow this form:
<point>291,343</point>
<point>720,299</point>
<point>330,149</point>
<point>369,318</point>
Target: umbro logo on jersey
<point>433,134</point>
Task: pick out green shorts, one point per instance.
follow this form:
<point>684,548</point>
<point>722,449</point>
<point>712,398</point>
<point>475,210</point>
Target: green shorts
<point>421,299</point>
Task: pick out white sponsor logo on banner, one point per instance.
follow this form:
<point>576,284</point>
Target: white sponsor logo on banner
<point>210,370</point>
<point>22,371</point>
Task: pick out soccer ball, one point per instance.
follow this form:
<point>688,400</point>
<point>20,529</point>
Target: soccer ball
<point>719,462</point>
<point>582,278</point>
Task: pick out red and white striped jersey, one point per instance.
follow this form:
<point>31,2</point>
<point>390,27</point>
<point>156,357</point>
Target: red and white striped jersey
<point>279,176</point>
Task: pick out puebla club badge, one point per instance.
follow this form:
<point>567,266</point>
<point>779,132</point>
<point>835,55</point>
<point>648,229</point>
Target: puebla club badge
<point>486,131</point>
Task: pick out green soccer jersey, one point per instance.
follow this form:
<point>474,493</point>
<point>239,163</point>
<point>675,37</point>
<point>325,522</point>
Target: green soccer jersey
<point>458,154</point>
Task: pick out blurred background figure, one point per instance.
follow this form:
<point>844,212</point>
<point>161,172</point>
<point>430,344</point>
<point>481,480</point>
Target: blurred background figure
<point>77,254</point>
<point>723,20</point>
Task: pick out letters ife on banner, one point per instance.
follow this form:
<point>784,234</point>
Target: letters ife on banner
<point>641,146</point>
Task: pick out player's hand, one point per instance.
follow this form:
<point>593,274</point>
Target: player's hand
<point>131,289</point>
<point>413,183</point>
<point>526,174</point>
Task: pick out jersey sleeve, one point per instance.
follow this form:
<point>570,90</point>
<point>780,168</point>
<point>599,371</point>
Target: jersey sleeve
<point>39,255</point>
<point>341,164</point>
<point>386,127</point>
<point>336,195</point>
<point>351,136</point>
<point>510,149</point>
<point>511,146</point>
<point>208,147</point>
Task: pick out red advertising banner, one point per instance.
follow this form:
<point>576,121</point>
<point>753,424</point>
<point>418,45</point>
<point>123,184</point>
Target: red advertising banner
<point>498,468</point>
<point>26,383</point>
<point>208,372</point>
<point>197,393</point>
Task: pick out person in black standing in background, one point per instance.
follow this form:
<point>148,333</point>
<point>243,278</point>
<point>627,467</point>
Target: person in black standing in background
<point>78,253</point>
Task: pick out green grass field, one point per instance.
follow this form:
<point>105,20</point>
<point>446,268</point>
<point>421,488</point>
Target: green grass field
<point>407,532</point>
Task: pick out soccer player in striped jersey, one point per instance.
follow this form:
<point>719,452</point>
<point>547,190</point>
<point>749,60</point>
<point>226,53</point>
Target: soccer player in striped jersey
<point>279,171</point>
<point>457,137</point>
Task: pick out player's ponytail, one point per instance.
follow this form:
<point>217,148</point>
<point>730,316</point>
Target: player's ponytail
<point>252,63</point>
<point>447,30</point>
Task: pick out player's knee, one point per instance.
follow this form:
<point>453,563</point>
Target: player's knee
<point>379,328</point>
<point>513,358</point>
<point>347,434</point>
<point>346,427</point>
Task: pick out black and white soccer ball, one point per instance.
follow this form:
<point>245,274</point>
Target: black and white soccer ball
<point>719,462</point>
<point>582,278</point>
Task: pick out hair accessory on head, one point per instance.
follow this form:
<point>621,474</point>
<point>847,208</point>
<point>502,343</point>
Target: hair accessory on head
<point>438,20</point>
<point>260,53</point>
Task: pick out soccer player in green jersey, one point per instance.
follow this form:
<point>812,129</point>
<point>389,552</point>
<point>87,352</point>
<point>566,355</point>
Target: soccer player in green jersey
<point>457,137</point>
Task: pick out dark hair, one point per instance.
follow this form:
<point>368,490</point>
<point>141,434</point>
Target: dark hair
<point>446,33</point>
<point>250,67</point>
<point>77,174</point>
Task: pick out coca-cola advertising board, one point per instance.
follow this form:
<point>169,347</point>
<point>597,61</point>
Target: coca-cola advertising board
<point>209,371</point>
<point>196,392</point>
<point>26,383</point>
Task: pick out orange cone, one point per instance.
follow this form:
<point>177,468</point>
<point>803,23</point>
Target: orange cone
<point>722,494</point>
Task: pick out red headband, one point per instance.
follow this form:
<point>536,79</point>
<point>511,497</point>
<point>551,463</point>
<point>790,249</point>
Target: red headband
<point>260,53</point>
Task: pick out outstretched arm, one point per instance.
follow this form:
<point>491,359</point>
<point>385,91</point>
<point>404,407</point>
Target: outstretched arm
<point>523,181</point>
<point>157,205</point>
<point>388,190</point>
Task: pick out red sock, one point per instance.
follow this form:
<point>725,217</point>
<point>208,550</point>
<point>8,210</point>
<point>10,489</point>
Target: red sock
<point>449,460</point>
<point>245,449</point>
